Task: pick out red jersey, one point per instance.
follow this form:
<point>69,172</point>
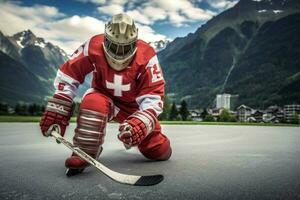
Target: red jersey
<point>139,86</point>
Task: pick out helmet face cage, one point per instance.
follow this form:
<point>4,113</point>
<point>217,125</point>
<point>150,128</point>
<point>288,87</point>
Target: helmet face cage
<point>120,41</point>
<point>117,50</point>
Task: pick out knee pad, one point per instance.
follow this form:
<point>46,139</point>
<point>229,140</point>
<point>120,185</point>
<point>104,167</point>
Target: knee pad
<point>159,152</point>
<point>98,102</point>
<point>90,131</point>
<point>95,111</point>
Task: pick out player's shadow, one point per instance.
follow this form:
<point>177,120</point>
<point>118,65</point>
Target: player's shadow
<point>126,157</point>
<point>126,161</point>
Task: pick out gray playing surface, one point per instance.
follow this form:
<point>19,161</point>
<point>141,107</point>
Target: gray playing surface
<point>208,162</point>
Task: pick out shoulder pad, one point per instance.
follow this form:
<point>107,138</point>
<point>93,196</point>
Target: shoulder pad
<point>144,52</point>
<point>94,45</point>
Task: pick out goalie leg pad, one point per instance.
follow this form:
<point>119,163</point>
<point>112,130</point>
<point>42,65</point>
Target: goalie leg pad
<point>156,146</point>
<point>90,130</point>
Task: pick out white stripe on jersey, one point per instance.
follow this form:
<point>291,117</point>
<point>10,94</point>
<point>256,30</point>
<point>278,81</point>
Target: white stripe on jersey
<point>86,48</point>
<point>70,84</point>
<point>149,101</point>
<point>152,61</point>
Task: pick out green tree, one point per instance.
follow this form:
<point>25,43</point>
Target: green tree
<point>3,109</point>
<point>204,113</point>
<point>224,116</point>
<point>183,111</point>
<point>18,108</point>
<point>166,110</point>
<point>233,118</point>
<point>173,113</point>
<point>295,119</point>
<point>21,109</point>
<point>42,109</point>
<point>209,118</point>
<point>33,109</point>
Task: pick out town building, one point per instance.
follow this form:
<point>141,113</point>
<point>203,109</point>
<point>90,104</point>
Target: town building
<point>292,113</point>
<point>195,115</point>
<point>273,114</point>
<point>256,116</point>
<point>226,101</point>
<point>223,101</point>
<point>244,113</point>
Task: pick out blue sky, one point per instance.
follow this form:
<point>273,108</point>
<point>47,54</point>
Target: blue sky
<point>68,23</point>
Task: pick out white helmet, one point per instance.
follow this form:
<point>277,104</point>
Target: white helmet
<point>120,41</point>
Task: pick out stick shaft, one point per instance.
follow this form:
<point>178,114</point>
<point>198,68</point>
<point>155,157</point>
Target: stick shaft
<point>122,178</point>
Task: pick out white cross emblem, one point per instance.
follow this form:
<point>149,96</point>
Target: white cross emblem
<point>117,85</point>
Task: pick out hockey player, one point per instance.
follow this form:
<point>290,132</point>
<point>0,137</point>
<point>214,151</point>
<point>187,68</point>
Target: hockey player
<point>127,87</point>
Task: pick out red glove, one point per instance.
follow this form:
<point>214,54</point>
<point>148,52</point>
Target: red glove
<point>136,127</point>
<point>58,112</point>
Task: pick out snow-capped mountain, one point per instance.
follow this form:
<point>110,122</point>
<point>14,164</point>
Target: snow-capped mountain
<point>26,38</point>
<point>34,62</point>
<point>36,59</point>
<point>159,45</point>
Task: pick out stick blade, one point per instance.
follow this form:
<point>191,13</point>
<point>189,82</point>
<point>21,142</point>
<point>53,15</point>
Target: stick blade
<point>149,180</point>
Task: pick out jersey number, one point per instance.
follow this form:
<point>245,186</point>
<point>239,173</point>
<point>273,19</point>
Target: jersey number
<point>156,73</point>
<point>77,52</point>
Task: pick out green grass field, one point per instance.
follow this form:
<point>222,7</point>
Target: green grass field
<point>24,119</point>
<point>227,123</point>
<point>37,119</point>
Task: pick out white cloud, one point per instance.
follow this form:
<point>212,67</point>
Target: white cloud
<point>69,32</point>
<point>16,18</point>
<point>93,1</point>
<point>120,2</point>
<point>225,4</point>
<point>112,9</point>
<point>155,13</point>
<point>198,13</point>
<point>147,34</point>
<point>75,30</point>
<point>176,19</point>
<point>222,4</point>
<point>139,17</point>
<point>182,12</point>
<point>66,32</point>
<point>176,5</point>
<point>177,12</point>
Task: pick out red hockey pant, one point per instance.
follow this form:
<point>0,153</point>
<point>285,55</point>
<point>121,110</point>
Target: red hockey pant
<point>156,146</point>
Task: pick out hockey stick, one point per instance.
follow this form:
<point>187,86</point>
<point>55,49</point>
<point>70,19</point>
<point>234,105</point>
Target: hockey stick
<point>119,177</point>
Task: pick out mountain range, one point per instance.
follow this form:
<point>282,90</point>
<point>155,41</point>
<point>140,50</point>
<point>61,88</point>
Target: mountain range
<point>28,66</point>
<point>251,50</point>
<point>159,45</point>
